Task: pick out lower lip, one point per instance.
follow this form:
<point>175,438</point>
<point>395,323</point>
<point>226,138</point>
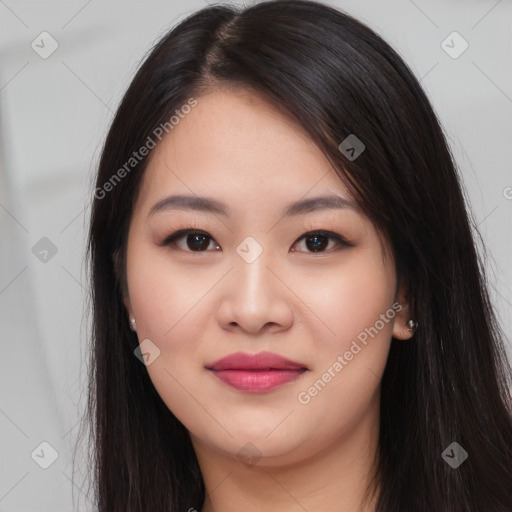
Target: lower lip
<point>257,380</point>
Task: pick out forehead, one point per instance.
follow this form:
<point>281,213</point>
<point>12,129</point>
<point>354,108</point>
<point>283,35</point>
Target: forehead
<point>235,145</point>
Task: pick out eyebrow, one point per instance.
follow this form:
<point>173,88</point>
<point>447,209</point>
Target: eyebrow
<point>210,205</point>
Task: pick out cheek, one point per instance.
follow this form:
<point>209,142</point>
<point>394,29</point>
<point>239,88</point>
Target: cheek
<point>351,300</point>
<point>170,306</point>
<point>167,299</point>
<point>356,306</point>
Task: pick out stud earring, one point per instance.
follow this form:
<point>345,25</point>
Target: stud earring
<point>412,325</point>
<point>133,326</point>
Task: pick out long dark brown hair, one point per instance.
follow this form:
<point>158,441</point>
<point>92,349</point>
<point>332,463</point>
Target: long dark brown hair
<point>335,77</point>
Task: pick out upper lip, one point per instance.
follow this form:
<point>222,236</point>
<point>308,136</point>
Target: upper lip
<point>261,361</point>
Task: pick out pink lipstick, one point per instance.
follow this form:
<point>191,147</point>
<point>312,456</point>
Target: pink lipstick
<point>256,372</point>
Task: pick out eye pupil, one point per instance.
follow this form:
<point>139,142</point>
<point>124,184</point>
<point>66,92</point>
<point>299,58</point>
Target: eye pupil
<point>198,241</point>
<point>317,245</point>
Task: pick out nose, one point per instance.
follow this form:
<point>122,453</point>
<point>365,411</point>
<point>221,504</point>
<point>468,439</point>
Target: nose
<point>254,296</point>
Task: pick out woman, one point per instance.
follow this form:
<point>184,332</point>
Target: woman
<point>289,310</point>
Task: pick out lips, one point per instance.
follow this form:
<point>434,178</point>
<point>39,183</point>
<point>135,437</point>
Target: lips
<point>256,372</point>
<point>261,361</point>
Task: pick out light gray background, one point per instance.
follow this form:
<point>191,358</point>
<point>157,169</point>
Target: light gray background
<point>54,115</point>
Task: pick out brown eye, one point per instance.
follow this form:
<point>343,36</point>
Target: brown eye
<point>199,241</point>
<point>318,241</point>
<point>195,241</point>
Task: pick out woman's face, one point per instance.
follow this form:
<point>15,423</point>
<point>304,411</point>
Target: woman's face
<point>252,283</point>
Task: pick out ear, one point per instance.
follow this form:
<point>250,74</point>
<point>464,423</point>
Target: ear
<point>118,270</point>
<point>131,318</point>
<point>128,306</point>
<point>401,330</point>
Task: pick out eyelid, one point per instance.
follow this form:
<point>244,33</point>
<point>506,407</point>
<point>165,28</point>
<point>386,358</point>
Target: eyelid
<point>342,241</point>
<point>181,232</point>
<point>329,234</point>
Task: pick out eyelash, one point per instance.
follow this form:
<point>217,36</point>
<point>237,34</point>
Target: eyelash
<point>171,240</point>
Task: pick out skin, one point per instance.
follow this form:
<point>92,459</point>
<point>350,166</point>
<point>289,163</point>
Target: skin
<point>197,307</point>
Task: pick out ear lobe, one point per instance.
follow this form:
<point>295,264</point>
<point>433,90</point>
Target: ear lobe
<point>401,330</point>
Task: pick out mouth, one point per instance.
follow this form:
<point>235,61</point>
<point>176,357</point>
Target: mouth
<point>256,372</point>
<point>256,381</point>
